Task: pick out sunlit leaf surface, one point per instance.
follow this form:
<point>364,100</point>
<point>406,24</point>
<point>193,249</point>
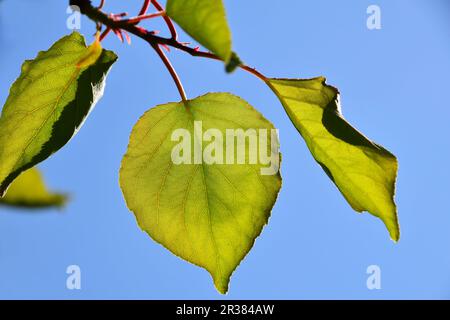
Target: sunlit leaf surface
<point>207,214</point>
<point>206,22</point>
<point>364,172</point>
<point>48,103</point>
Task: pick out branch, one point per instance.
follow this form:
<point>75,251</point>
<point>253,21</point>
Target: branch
<point>96,15</point>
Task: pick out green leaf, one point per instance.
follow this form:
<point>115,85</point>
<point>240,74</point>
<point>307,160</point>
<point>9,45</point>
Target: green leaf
<point>29,190</point>
<point>48,103</point>
<point>364,172</point>
<point>233,63</point>
<point>205,21</point>
<point>206,213</point>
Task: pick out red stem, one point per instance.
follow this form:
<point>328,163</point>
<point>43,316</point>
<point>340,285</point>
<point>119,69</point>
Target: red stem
<point>144,8</point>
<point>171,70</point>
<point>154,40</point>
<point>104,34</point>
<point>139,18</point>
<point>173,30</point>
<point>100,6</point>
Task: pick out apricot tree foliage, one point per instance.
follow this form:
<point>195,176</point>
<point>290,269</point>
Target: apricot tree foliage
<point>206,212</point>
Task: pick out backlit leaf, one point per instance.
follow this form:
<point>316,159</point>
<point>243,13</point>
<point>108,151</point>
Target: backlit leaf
<point>48,103</point>
<point>29,191</point>
<point>205,21</point>
<point>208,214</point>
<point>364,172</point>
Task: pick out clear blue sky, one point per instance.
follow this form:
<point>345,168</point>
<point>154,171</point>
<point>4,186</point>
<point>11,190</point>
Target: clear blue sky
<point>393,82</point>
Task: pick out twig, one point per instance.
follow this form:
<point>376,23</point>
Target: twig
<point>100,6</point>
<point>105,33</point>
<point>139,18</point>
<point>173,31</point>
<point>153,39</point>
<point>144,8</point>
<point>172,71</point>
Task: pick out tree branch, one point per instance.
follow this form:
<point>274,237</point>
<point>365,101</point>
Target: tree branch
<point>96,15</point>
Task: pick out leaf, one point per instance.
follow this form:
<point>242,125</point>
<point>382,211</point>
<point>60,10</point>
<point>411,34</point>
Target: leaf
<point>206,213</point>
<point>205,21</point>
<point>233,63</point>
<point>29,190</point>
<point>363,171</point>
<point>48,103</point>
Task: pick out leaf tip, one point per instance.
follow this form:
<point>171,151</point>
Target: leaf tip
<point>392,226</point>
<point>394,233</point>
<point>61,200</point>
<point>221,284</point>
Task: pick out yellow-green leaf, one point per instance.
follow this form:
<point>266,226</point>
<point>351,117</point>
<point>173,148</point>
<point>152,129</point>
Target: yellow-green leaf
<point>29,191</point>
<point>364,172</point>
<point>206,213</point>
<point>48,103</point>
<point>205,21</point>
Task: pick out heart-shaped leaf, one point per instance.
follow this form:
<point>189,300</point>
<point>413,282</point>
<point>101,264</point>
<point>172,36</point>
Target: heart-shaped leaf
<point>48,103</point>
<point>363,171</point>
<point>205,202</point>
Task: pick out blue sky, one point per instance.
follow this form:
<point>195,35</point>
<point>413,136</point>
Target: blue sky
<point>393,83</point>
